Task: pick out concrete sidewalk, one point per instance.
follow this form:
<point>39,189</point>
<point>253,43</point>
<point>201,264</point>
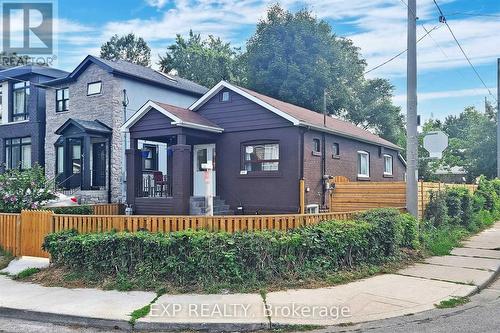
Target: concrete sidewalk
<point>411,290</point>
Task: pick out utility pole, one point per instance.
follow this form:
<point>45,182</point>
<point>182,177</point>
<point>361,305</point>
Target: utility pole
<point>498,118</point>
<point>411,113</point>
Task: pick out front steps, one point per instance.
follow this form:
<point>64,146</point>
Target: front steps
<point>197,206</point>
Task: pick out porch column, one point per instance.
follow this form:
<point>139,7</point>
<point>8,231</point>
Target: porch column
<point>134,174</point>
<point>181,178</point>
<point>86,175</point>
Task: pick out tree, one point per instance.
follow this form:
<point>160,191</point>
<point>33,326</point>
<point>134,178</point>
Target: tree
<point>296,58</point>
<point>205,62</point>
<point>127,47</point>
<point>471,144</point>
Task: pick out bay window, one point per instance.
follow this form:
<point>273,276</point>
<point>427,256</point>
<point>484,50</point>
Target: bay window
<point>261,157</point>
<point>20,97</point>
<point>18,153</point>
<point>363,164</point>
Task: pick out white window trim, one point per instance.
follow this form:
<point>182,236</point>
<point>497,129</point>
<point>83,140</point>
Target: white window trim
<point>392,165</point>
<point>362,152</point>
<point>94,83</point>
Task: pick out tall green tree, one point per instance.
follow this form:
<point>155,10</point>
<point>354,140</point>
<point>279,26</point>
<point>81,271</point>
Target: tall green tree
<point>128,47</point>
<point>205,61</point>
<point>471,144</point>
<point>297,58</point>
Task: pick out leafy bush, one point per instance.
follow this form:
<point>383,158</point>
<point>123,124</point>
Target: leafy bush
<point>459,203</point>
<point>436,211</point>
<point>410,227</point>
<point>439,241</point>
<point>202,258</point>
<point>73,210</point>
<point>24,189</point>
<point>386,222</point>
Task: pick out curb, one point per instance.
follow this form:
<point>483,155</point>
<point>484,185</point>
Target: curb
<point>62,319</point>
<point>124,325</point>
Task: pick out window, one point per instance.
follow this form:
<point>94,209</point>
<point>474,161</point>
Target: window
<point>18,153</point>
<point>388,165</point>
<point>261,157</point>
<point>76,156</point>
<point>225,96</point>
<point>316,146</point>
<point>150,160</point>
<point>94,88</point>
<point>363,164</point>
<point>336,150</point>
<point>59,160</point>
<point>62,99</point>
<point>202,158</point>
<point>20,95</point>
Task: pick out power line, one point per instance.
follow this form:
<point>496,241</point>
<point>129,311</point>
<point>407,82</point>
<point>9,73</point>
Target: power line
<point>442,19</point>
<point>400,53</point>
<point>474,14</point>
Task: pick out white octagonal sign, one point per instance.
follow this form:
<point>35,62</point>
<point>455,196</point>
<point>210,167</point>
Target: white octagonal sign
<point>435,143</point>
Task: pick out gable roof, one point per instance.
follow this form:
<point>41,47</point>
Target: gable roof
<point>180,117</point>
<point>136,72</point>
<point>299,116</point>
<point>7,73</point>
<point>92,126</point>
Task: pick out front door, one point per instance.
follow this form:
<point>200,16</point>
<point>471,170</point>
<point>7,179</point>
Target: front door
<point>99,164</point>
<point>202,155</point>
<point>75,163</point>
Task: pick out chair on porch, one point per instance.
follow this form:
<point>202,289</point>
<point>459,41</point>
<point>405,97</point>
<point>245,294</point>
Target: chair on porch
<point>160,183</point>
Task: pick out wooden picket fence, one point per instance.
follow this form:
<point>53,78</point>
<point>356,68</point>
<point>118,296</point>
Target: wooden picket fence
<point>23,234</point>
<point>355,196</point>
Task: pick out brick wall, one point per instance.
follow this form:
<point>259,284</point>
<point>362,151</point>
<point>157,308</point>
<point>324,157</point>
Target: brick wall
<point>106,107</point>
<point>345,164</point>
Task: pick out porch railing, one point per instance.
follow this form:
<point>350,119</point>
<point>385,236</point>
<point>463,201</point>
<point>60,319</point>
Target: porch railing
<point>152,185</point>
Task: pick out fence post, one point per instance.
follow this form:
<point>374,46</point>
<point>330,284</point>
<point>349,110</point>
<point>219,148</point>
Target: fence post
<point>302,196</point>
<point>17,250</point>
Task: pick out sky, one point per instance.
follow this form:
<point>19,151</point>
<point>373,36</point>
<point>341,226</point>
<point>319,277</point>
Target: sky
<point>446,82</point>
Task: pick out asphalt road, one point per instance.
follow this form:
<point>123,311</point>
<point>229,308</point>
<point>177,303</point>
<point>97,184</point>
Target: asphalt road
<point>481,314</point>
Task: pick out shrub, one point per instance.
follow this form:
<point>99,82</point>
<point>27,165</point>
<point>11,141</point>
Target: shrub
<point>202,258</point>
<point>386,222</point>
<point>73,210</point>
<point>410,227</point>
<point>24,189</point>
<point>436,211</point>
<point>459,204</point>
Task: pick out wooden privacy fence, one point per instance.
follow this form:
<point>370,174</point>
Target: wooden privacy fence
<point>425,188</point>
<point>355,196</point>
<point>108,209</point>
<point>23,234</point>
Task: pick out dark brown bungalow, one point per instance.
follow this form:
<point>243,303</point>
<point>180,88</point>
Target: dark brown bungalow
<point>260,148</point>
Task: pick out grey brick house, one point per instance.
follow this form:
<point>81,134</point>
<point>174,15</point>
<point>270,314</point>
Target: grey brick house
<point>258,150</point>
<point>22,115</point>
<point>84,147</point>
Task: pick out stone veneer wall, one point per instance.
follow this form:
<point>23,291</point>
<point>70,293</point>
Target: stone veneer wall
<point>105,107</point>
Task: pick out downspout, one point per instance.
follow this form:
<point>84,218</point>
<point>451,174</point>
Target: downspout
<point>109,167</point>
<point>323,170</point>
<point>123,177</point>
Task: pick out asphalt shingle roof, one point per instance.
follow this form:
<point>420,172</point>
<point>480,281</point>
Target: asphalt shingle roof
<point>307,116</point>
<point>187,115</point>
<point>150,74</point>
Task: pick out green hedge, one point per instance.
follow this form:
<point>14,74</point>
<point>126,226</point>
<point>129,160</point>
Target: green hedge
<point>73,210</point>
<point>245,258</point>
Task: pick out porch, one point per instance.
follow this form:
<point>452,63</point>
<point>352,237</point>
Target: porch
<point>166,162</point>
